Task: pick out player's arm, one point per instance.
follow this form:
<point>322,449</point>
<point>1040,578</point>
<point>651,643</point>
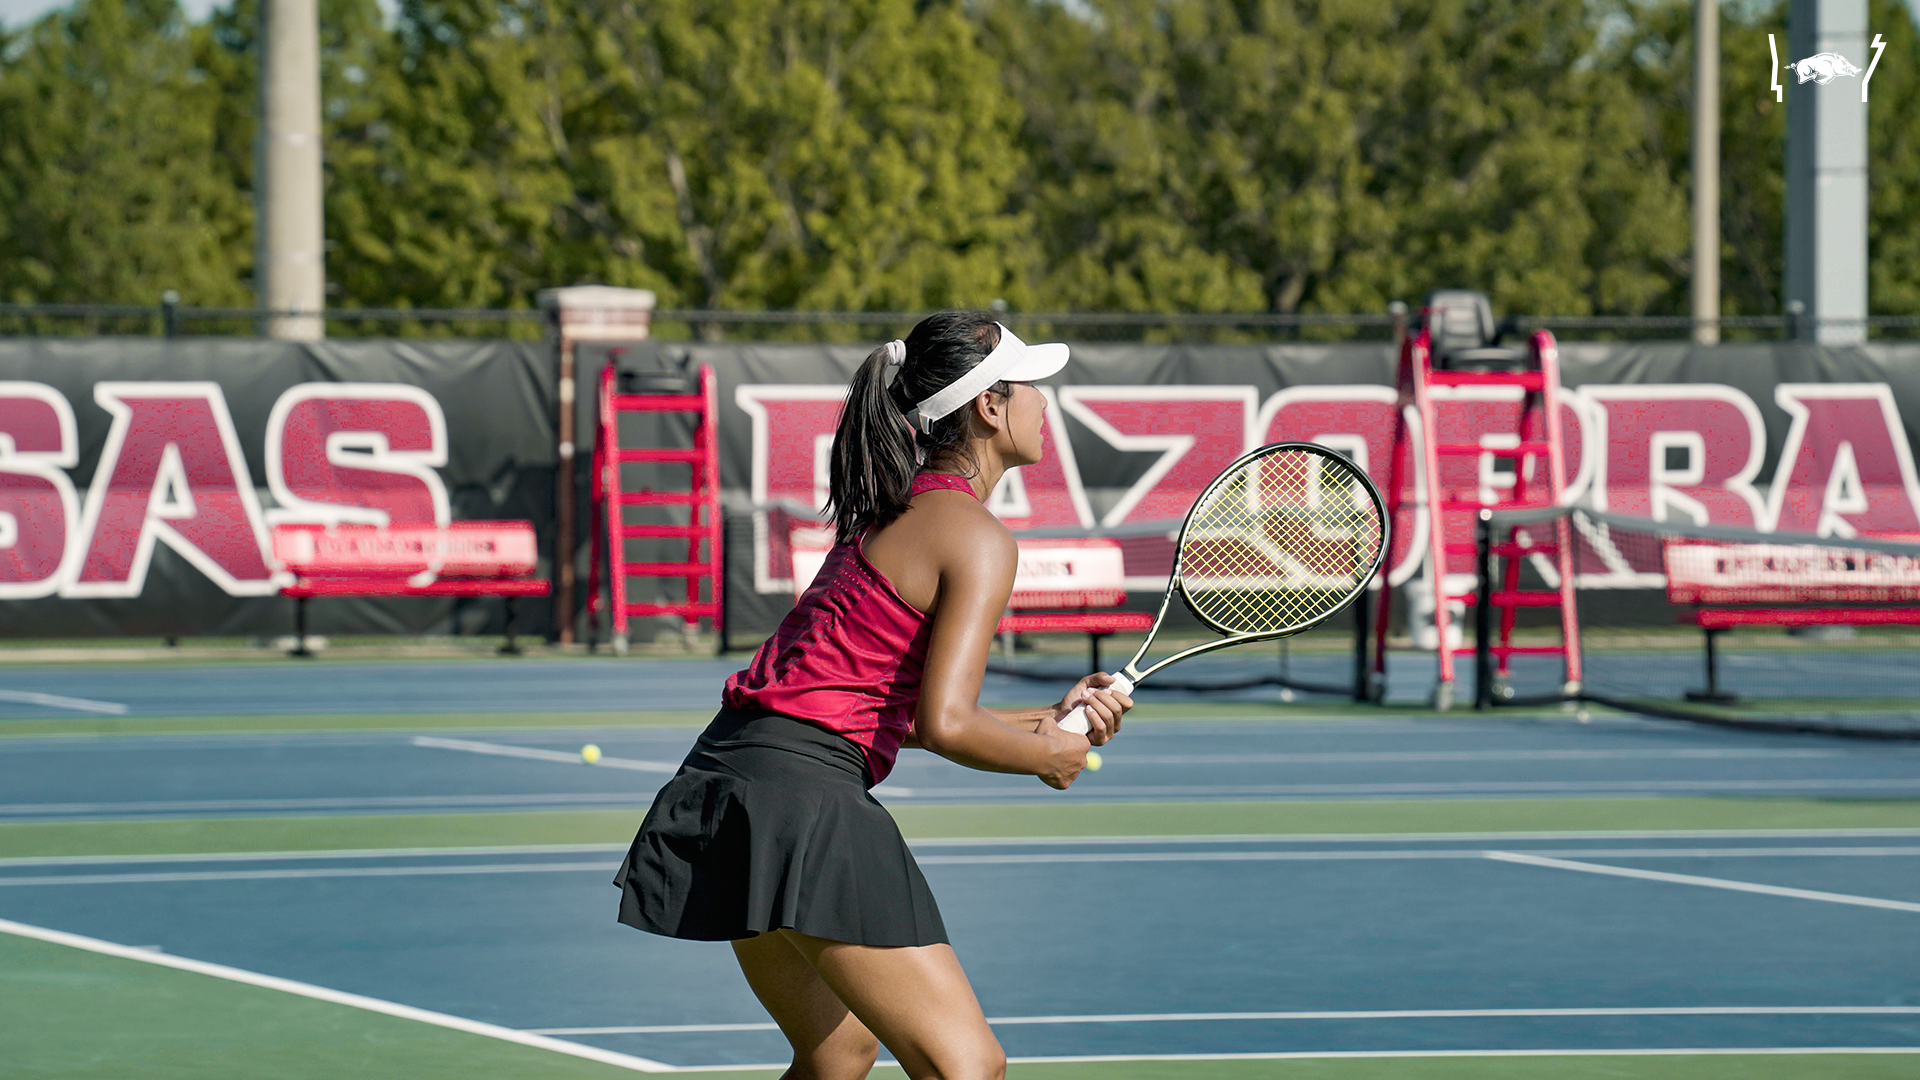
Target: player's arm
<point>1104,709</point>
<point>975,557</point>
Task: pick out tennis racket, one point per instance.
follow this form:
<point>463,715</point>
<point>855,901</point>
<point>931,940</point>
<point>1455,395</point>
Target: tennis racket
<point>1281,541</point>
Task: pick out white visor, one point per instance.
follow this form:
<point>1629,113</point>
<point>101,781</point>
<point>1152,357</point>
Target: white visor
<point>1013,360</point>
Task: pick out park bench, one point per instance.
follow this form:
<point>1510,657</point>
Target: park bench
<point>464,558</point>
<point>1731,584</point>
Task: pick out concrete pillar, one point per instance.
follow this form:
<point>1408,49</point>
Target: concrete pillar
<point>1706,171</point>
<point>290,271</point>
<point>576,314</point>
<point>1827,173</point>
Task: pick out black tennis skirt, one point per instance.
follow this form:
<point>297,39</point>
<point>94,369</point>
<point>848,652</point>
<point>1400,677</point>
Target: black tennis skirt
<point>768,825</point>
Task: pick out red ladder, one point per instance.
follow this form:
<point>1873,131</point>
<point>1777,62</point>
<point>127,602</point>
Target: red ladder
<point>1537,435</point>
<point>702,498</point>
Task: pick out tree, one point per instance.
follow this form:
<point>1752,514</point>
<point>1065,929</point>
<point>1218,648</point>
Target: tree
<point>725,153</point>
<point>107,128</point>
<point>1330,155</point>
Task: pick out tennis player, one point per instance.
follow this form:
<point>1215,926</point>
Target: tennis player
<point>767,836</point>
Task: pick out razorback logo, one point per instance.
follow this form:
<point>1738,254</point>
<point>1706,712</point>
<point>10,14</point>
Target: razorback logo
<point>38,506</point>
<point>172,472</point>
<point>1846,468</point>
<point>1687,452</point>
<point>357,454</point>
<point>1682,452</point>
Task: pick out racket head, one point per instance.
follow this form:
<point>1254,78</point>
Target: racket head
<point>1280,541</point>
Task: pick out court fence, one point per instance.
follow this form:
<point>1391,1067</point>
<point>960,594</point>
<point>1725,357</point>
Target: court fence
<point>171,318</point>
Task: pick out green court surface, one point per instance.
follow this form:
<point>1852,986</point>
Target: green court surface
<point>350,832</point>
<point>74,1014</point>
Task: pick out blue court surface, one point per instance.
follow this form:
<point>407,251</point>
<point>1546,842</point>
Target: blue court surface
<point>1131,946</point>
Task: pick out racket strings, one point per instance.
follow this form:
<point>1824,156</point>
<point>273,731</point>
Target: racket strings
<point>1284,540</point>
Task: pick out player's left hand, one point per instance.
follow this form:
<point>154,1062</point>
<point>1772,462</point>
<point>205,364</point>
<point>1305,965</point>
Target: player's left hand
<point>1104,707</point>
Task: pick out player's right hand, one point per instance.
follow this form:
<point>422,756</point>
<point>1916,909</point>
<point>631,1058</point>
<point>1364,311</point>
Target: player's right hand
<point>1104,707</point>
<point>1066,755</point>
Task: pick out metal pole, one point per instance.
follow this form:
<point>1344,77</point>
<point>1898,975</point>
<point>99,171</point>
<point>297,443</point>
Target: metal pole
<point>563,498</point>
<point>1362,630</point>
<point>170,313</point>
<point>1706,172</point>
<point>290,266</point>
<point>1483,613</point>
<point>1826,242</point>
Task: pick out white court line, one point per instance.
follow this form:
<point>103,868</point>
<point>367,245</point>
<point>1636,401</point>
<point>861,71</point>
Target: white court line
<point>1043,858</point>
<point>501,750</point>
<point>622,799</point>
<point>1371,756</point>
<point>293,856</point>
<point>337,997</point>
<point>55,701</point>
<point>1463,787</point>
<point>1477,839</point>
<point>290,874</point>
<point>1008,859</point>
<point>1706,882</point>
<point>591,800</point>
<point>1373,1014</point>
<point>1307,1055</point>
<point>534,754</point>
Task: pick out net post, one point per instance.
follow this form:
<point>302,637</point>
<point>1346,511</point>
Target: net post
<point>1361,631</point>
<point>1483,613</point>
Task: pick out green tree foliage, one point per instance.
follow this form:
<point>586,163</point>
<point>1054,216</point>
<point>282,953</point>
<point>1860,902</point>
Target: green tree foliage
<point>1329,155</point>
<point>1893,176</point>
<point>1657,57</point>
<point>107,129</point>
<point>834,154</point>
<point>1124,155</point>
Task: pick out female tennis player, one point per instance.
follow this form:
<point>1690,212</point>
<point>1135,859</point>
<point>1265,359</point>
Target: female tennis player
<point>767,836</point>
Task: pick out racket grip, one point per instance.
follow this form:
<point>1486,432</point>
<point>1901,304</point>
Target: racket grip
<point>1076,721</point>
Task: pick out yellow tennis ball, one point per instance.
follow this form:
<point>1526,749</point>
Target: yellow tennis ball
<point>589,753</point>
<point>1093,761</point>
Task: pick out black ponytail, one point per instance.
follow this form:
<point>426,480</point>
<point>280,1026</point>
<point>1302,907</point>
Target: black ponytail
<point>876,450</point>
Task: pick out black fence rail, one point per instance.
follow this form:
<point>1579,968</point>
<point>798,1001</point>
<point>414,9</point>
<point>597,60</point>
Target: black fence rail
<point>170,318</point>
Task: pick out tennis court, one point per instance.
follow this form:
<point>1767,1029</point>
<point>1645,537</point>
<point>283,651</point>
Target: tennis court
<point>1244,890</point>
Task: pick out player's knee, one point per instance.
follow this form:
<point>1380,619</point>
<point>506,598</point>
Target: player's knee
<point>846,1055</point>
<point>986,1062</point>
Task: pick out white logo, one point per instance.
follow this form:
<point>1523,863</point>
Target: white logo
<point>1823,68</point>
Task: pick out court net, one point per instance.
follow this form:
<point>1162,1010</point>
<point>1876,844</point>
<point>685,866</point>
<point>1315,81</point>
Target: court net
<point>1724,625</point>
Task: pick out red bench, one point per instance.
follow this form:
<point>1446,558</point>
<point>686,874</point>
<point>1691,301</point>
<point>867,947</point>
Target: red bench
<point>1728,584</point>
<point>1061,585</point>
<point>464,558</point>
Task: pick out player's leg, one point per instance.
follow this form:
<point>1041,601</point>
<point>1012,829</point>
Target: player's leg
<point>917,1000</point>
<point>829,1042</point>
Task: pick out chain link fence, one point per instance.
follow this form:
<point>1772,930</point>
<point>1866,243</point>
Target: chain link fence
<point>170,318</point>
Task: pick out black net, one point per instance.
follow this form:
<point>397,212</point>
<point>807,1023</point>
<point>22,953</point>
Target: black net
<point>1730,626</point>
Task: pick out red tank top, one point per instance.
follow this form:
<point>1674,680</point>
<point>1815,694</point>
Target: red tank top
<point>850,654</point>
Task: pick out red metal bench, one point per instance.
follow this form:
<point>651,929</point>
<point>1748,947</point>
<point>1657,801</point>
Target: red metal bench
<point>464,558</point>
<point>1061,584</point>
<point>1729,584</point>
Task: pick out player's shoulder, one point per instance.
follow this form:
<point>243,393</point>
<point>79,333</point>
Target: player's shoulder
<point>955,526</point>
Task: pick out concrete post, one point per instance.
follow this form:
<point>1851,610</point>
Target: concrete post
<point>289,268</point>
<point>576,314</point>
<point>1827,173</point>
<point>1706,171</point>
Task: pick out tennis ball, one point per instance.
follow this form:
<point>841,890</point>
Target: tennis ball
<point>1093,761</point>
<point>589,753</point>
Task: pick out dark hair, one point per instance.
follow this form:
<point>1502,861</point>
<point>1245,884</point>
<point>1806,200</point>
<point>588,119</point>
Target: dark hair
<point>874,459</point>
